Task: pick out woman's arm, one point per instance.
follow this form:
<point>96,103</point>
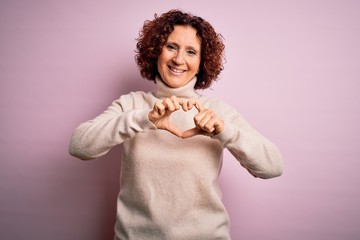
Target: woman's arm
<point>120,121</point>
<point>254,152</point>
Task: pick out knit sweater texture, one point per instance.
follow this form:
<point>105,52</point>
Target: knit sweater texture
<point>169,186</point>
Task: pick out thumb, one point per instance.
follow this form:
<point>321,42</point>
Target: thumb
<point>192,132</point>
<point>174,130</point>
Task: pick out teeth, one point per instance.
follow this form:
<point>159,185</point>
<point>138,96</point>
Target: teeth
<point>177,70</point>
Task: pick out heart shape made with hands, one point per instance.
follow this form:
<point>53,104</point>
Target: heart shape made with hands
<point>183,133</point>
<point>162,112</point>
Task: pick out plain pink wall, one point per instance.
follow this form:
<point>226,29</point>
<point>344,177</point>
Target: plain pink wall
<point>292,70</point>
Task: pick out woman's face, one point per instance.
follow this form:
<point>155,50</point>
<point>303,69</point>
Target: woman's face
<point>179,60</point>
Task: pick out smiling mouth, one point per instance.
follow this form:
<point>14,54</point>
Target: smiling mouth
<point>175,70</point>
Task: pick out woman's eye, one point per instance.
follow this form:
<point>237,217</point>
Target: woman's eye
<point>171,47</point>
<point>191,52</point>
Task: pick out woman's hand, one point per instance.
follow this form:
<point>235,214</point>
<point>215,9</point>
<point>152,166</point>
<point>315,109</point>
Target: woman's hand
<point>161,112</point>
<point>206,121</point>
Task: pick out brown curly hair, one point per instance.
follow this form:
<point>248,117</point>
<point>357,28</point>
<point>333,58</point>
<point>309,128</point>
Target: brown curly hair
<point>155,33</point>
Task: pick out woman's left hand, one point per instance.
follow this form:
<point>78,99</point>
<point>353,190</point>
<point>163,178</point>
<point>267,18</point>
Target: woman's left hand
<point>207,122</point>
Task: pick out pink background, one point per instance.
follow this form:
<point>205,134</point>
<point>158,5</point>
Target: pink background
<point>293,70</point>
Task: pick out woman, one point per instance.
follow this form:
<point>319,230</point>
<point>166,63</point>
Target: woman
<point>173,137</point>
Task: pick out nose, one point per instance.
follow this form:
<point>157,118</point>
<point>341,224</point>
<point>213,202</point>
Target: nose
<point>179,58</point>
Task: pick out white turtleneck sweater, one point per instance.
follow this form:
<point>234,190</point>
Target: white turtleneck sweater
<point>169,186</point>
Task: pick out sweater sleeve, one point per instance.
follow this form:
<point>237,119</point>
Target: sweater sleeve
<point>123,119</point>
<point>254,152</point>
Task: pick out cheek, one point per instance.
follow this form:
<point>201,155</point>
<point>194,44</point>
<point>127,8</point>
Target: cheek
<point>161,66</point>
<point>196,66</point>
<point>162,60</point>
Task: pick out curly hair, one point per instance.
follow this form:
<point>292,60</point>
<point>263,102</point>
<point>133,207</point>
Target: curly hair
<point>154,35</point>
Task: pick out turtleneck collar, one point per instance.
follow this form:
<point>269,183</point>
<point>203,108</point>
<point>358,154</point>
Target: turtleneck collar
<point>186,91</point>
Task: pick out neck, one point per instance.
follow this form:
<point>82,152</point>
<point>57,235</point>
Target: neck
<point>186,91</point>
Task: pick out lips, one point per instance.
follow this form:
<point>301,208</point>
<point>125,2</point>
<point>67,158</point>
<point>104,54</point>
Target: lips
<point>176,70</point>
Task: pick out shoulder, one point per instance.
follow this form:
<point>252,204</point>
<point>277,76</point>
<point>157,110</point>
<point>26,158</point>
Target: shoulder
<point>134,95</point>
<point>221,107</point>
<point>134,100</point>
<point>215,103</point>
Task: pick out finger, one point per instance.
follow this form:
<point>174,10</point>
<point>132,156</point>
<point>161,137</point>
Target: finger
<point>202,118</point>
<point>167,102</point>
<point>175,102</point>
<point>206,125</point>
<point>199,106</point>
<point>196,131</point>
<point>171,104</point>
<point>174,130</point>
<point>157,112</point>
<point>219,126</point>
<point>190,103</point>
<point>159,108</point>
<point>191,132</point>
<point>183,103</point>
<point>213,124</point>
<point>209,125</point>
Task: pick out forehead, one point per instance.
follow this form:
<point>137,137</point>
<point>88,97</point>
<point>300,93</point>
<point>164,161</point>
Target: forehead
<point>185,35</point>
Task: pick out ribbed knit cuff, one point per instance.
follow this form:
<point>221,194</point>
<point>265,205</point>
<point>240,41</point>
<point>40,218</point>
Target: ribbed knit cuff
<point>226,135</point>
<point>142,119</point>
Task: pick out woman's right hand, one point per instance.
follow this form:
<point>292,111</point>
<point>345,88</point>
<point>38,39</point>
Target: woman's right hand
<point>161,112</point>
